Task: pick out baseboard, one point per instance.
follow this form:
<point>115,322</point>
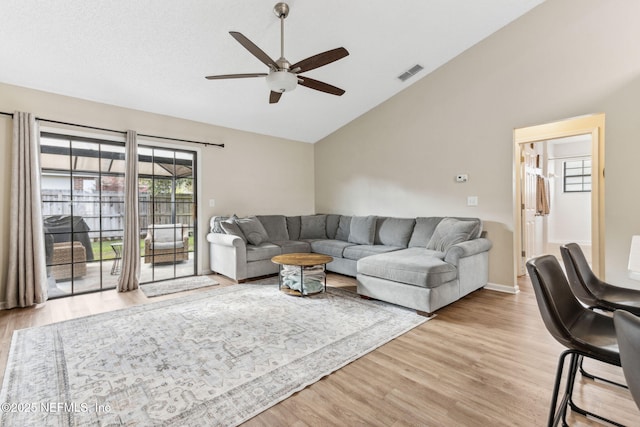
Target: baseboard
<point>502,288</point>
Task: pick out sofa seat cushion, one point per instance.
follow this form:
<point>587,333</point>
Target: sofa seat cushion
<point>293,246</point>
<point>361,251</point>
<point>333,248</point>
<point>262,251</point>
<point>413,266</point>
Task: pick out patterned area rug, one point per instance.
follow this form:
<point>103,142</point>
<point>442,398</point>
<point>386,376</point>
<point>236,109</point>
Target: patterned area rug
<point>177,285</point>
<point>217,357</point>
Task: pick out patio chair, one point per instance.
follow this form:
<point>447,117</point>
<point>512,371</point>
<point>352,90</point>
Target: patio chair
<point>166,243</point>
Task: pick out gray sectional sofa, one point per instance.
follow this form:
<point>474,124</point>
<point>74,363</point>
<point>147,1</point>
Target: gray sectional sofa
<point>420,263</point>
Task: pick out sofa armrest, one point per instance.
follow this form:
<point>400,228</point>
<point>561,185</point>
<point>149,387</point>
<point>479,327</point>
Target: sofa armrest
<point>228,255</point>
<point>466,249</point>
<point>225,240</point>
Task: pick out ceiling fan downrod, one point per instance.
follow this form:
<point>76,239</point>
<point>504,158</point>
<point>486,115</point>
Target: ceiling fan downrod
<point>281,10</point>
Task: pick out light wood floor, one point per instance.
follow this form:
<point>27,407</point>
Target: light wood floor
<point>484,360</point>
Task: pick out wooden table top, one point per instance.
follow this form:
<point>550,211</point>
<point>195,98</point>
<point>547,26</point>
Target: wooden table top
<point>304,260</point>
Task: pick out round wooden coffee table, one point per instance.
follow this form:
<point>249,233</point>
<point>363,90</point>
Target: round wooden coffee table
<point>301,260</point>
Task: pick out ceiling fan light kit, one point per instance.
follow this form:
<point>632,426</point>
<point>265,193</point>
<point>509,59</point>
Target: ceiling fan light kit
<point>282,81</point>
<point>284,77</point>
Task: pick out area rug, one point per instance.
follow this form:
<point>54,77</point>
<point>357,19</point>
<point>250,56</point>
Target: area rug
<point>177,285</point>
<point>218,357</point>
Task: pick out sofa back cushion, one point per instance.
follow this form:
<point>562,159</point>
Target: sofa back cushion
<point>423,231</point>
<point>333,221</point>
<point>293,227</point>
<point>313,227</point>
<point>253,230</point>
<point>451,231</point>
<point>342,233</point>
<point>276,227</point>
<point>394,231</point>
<point>362,230</point>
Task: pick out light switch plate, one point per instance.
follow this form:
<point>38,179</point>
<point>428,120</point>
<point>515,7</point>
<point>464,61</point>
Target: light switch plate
<point>472,201</point>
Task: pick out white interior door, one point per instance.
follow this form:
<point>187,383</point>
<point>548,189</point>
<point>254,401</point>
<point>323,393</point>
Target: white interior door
<point>528,205</point>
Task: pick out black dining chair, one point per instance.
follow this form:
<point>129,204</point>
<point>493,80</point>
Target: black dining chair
<point>592,291</point>
<point>595,293</point>
<point>628,332</point>
<point>584,332</point>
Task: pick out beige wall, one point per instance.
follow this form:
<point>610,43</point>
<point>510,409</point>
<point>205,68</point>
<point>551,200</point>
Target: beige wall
<point>563,59</point>
<point>253,174</point>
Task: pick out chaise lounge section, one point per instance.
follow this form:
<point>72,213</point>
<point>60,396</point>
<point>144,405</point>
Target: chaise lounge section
<point>420,263</point>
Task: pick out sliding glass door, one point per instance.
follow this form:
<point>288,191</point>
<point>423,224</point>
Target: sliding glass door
<point>82,207</point>
<point>83,212</point>
<point>167,199</point>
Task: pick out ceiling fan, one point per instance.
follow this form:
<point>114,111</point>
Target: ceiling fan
<point>282,76</point>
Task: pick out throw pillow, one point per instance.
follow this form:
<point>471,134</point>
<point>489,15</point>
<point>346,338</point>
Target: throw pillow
<point>362,230</point>
<point>451,231</point>
<point>230,227</point>
<point>313,227</point>
<point>216,220</point>
<point>253,230</point>
<point>343,228</point>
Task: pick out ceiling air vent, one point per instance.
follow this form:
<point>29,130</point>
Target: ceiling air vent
<point>410,72</point>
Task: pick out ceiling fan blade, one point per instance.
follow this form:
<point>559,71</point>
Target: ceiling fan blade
<point>235,76</point>
<point>319,60</point>
<point>318,85</point>
<point>255,50</point>
<point>274,97</point>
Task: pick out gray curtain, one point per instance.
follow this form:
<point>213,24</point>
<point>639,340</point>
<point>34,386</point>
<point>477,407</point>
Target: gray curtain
<point>129,279</point>
<point>26,282</point>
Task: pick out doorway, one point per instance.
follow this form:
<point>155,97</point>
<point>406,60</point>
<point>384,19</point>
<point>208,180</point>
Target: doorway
<point>565,161</point>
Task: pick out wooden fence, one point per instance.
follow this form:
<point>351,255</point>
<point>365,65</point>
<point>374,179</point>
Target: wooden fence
<point>108,208</point>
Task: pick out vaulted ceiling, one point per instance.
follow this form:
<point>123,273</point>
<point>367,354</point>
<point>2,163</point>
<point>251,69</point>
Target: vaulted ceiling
<point>153,55</point>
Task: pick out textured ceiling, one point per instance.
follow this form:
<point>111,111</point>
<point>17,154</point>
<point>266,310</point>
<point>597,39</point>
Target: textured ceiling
<point>152,55</point>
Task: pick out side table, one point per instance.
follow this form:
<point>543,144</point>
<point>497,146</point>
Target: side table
<point>117,249</point>
<point>301,261</point>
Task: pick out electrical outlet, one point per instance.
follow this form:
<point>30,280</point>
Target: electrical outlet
<point>463,177</point>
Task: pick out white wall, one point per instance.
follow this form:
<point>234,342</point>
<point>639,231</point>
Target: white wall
<point>570,215</point>
<point>253,174</point>
<point>563,59</point>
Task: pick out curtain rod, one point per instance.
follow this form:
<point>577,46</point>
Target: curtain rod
<point>206,144</point>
